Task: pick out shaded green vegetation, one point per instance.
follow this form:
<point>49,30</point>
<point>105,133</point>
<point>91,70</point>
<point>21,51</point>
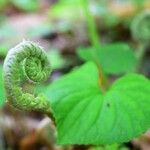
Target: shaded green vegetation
<point>98,92</point>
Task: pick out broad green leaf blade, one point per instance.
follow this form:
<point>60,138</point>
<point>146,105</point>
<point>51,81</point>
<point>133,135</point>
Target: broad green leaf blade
<point>2,97</point>
<point>85,115</point>
<point>114,58</point>
<point>117,58</point>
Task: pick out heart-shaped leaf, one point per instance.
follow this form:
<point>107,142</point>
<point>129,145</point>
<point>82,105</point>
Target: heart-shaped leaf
<point>86,115</point>
<point>116,58</point>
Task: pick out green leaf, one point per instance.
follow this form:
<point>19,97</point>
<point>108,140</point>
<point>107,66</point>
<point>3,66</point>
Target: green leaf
<point>4,47</point>
<point>63,8</point>
<point>114,58</point>
<point>86,115</point>
<point>2,97</point>
<point>56,59</point>
<point>27,5</point>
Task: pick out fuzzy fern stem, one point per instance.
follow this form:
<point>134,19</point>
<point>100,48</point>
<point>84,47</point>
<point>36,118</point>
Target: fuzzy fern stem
<point>35,65</point>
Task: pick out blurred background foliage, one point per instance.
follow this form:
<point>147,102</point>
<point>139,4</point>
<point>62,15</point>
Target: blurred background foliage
<point>61,27</point>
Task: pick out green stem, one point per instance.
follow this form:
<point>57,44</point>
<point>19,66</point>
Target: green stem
<point>95,42</point>
<point>92,30</point>
<point>140,54</point>
<point>141,51</point>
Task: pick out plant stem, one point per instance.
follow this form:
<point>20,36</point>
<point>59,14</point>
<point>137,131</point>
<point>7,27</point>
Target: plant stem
<point>92,30</point>
<point>141,51</point>
<point>140,54</point>
<point>95,42</point>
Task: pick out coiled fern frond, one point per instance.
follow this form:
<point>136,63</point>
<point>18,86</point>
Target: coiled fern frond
<point>140,27</point>
<point>36,67</point>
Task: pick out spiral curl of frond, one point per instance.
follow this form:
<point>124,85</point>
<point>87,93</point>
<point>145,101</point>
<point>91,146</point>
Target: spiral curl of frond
<point>36,68</point>
<point>140,27</point>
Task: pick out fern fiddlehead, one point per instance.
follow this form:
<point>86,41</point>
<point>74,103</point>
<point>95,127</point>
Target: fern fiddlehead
<point>140,29</point>
<point>36,68</point>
